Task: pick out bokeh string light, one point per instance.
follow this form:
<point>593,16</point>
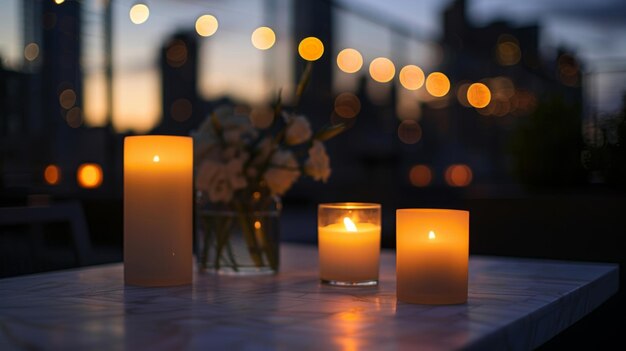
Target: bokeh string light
<point>437,84</point>
<point>89,175</point>
<point>139,13</point>
<point>52,174</point>
<point>382,69</point>
<point>411,77</point>
<point>349,60</point>
<point>311,49</point>
<point>206,25</point>
<point>263,38</point>
<point>480,96</point>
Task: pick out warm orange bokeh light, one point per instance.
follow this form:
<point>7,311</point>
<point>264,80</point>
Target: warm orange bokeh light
<point>311,49</point>
<point>206,25</point>
<point>420,175</point>
<point>349,60</point>
<point>262,117</point>
<point>478,95</point>
<point>67,98</point>
<point>409,132</point>
<point>139,13</point>
<point>52,174</point>
<point>458,175</point>
<point>31,51</point>
<point>263,38</point>
<point>411,77</point>
<point>181,110</point>
<point>347,105</point>
<point>176,54</point>
<point>508,52</point>
<point>437,84</point>
<point>89,175</point>
<point>382,69</point>
<point>74,117</point>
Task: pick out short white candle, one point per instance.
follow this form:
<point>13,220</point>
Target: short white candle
<point>349,243</point>
<point>432,251</point>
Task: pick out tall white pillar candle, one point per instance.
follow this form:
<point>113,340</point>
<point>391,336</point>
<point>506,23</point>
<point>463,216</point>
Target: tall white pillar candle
<point>158,172</point>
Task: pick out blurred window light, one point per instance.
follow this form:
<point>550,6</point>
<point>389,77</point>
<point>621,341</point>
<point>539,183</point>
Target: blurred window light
<point>347,105</point>
<point>67,99</point>
<point>52,174</point>
<point>263,38</point>
<point>139,13</point>
<point>311,48</point>
<point>176,54</point>
<point>382,69</point>
<point>31,51</point>
<point>508,52</point>
<point>262,116</point>
<point>349,60</point>
<point>411,77</point>
<point>437,84</point>
<point>89,175</point>
<point>420,175</point>
<point>409,132</point>
<point>458,175</point>
<point>206,25</point>
<point>478,95</point>
<point>74,117</point>
<point>181,110</point>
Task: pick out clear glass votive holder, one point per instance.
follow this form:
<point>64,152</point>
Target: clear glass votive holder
<point>349,243</point>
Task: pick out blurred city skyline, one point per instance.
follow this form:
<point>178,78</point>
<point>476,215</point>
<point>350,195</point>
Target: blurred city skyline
<point>230,66</point>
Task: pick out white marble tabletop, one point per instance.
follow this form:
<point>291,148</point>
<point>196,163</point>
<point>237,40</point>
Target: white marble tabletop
<point>514,304</point>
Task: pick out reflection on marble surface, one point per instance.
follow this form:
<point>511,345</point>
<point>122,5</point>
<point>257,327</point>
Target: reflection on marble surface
<point>513,304</point>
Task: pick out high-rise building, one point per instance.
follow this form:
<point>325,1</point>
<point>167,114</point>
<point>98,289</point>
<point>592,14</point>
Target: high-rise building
<point>315,19</point>
<point>182,108</point>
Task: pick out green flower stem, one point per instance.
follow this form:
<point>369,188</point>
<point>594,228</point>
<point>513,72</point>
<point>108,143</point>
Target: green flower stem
<point>231,256</point>
<point>269,247</point>
<point>248,233</point>
<point>206,221</point>
<point>223,237</point>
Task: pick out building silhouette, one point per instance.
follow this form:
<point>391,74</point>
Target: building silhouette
<point>315,19</point>
<point>508,60</point>
<point>41,124</point>
<point>183,109</point>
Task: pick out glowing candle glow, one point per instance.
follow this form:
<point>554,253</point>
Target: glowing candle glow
<point>432,251</point>
<point>349,243</point>
<point>157,210</point>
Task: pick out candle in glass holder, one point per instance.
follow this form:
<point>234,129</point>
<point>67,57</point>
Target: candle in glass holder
<point>432,252</point>
<point>349,243</point>
<point>158,172</point>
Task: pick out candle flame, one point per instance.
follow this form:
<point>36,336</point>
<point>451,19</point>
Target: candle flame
<point>257,225</point>
<point>431,235</point>
<point>156,159</point>
<point>349,224</point>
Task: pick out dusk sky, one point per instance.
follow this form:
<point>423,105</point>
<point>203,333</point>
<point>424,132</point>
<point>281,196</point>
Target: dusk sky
<point>594,29</point>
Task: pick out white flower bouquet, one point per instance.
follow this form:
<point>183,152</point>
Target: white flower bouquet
<point>243,169</point>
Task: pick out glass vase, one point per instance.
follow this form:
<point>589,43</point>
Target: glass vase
<point>240,240</point>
